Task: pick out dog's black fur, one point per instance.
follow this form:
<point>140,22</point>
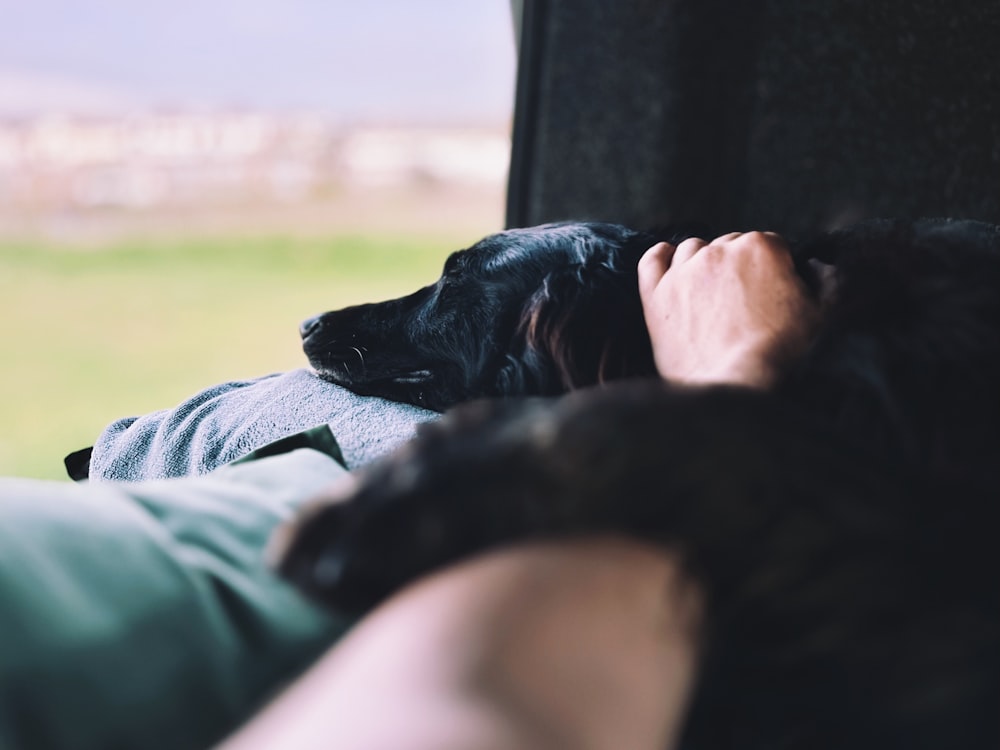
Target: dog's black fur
<point>535,311</point>
<point>843,526</point>
<point>841,611</point>
<point>907,350</point>
<point>907,359</point>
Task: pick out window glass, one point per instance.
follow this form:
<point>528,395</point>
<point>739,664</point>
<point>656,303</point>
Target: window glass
<point>182,182</point>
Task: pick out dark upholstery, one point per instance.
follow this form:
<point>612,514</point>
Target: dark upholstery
<point>792,116</point>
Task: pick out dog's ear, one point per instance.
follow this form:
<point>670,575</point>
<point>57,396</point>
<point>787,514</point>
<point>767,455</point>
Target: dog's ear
<point>583,326</point>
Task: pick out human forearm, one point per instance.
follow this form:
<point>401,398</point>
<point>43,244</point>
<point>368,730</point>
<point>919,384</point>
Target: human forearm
<point>587,644</point>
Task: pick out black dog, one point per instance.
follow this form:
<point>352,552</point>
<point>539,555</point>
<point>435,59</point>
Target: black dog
<point>907,350</point>
<point>907,359</point>
<point>535,311</point>
<point>842,611</point>
<point>842,526</point>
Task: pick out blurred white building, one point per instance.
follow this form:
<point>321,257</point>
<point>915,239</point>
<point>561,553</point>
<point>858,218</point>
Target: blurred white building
<point>150,160</point>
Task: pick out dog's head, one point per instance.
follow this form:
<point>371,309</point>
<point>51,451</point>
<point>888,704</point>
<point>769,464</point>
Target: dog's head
<point>534,311</point>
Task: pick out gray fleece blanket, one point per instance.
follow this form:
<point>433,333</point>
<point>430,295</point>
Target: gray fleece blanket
<point>227,421</point>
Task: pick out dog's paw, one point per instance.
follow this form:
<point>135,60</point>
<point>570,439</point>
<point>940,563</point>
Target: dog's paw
<point>350,560</point>
<point>351,551</point>
<point>308,551</point>
<point>488,473</point>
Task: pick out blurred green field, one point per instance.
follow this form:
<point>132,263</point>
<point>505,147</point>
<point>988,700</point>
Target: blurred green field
<point>92,334</point>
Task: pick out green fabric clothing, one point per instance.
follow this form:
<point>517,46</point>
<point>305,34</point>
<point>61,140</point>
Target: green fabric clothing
<point>142,616</point>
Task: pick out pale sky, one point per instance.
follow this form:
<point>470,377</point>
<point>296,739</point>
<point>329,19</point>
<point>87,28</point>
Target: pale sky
<point>371,59</point>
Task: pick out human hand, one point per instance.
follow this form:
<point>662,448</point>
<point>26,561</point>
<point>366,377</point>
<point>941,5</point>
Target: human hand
<point>728,311</point>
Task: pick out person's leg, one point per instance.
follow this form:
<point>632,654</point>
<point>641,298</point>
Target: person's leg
<point>582,644</point>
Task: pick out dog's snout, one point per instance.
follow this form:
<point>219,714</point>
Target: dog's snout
<point>309,325</point>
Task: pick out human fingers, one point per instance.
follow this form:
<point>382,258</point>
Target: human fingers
<point>776,242</point>
<point>725,238</point>
<point>653,264</point>
<point>769,240</point>
<point>687,249</point>
<point>768,248</point>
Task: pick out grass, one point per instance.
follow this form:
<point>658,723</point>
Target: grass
<point>93,334</point>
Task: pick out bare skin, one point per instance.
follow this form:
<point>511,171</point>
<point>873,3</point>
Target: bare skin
<point>582,645</point>
<point>588,644</point>
<point>727,311</point>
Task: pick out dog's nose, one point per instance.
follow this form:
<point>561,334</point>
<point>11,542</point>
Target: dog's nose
<point>309,325</point>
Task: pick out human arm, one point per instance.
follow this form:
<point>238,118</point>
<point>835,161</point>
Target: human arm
<point>579,644</point>
<point>728,311</point>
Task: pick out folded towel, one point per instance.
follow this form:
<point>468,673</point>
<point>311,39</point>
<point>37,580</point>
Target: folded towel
<point>227,421</point>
